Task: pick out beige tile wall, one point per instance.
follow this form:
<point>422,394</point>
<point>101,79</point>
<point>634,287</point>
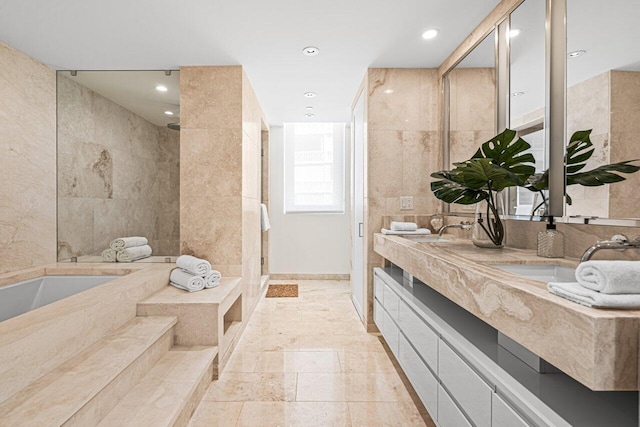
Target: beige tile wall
<point>118,175</point>
<point>265,199</point>
<point>221,138</point>
<point>27,161</point>
<point>402,149</point>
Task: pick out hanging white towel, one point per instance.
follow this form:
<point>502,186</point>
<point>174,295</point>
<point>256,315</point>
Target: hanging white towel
<point>264,218</point>
<point>418,232</point>
<point>183,280</point>
<point>109,255</point>
<point>403,226</point>
<point>212,279</point>
<point>134,254</point>
<point>581,295</point>
<point>610,277</point>
<point>193,265</point>
<point>127,242</point>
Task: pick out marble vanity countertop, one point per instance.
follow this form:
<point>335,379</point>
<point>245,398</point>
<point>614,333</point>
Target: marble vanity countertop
<point>598,348</point>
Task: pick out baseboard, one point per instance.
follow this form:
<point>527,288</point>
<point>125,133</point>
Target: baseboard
<point>304,276</point>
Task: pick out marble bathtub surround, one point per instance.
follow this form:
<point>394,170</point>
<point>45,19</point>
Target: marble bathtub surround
<point>118,175</point>
<point>598,348</point>
<point>27,161</point>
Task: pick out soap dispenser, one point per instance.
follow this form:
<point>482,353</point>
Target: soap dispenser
<point>551,242</point>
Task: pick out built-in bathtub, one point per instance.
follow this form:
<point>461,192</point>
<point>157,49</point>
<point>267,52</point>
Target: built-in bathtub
<point>22,297</point>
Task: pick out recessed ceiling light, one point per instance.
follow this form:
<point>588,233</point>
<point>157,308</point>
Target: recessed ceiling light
<point>310,95</point>
<point>161,88</point>
<point>309,115</point>
<point>514,32</point>
<point>576,53</point>
<point>168,113</point>
<point>310,51</point>
<point>429,34</point>
<point>388,91</point>
<point>518,93</point>
<point>309,108</point>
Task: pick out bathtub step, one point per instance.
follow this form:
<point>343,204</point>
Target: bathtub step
<point>170,393</point>
<point>86,387</point>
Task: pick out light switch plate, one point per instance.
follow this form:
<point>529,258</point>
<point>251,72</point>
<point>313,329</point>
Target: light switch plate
<point>406,203</point>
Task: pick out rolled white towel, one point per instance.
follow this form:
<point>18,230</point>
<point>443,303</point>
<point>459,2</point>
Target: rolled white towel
<point>184,280</point>
<point>193,265</point>
<point>577,293</point>
<point>212,279</point>
<point>127,242</point>
<point>109,255</point>
<point>419,231</point>
<point>403,226</point>
<point>610,277</point>
<point>134,254</point>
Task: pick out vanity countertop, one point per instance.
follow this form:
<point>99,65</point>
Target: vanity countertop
<point>598,348</point>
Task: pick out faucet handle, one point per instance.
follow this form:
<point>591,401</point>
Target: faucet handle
<point>620,238</point>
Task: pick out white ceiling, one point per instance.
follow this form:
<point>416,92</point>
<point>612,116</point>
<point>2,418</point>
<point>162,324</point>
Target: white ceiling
<point>135,91</point>
<point>266,37</point>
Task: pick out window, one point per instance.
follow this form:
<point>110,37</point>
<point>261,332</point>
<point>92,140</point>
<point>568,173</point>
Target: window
<point>314,167</point>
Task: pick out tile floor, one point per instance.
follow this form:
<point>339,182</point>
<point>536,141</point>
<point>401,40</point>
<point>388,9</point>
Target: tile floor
<point>308,361</point>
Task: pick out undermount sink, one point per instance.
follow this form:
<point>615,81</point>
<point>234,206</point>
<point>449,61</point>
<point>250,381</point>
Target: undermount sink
<point>543,273</point>
<point>427,238</point>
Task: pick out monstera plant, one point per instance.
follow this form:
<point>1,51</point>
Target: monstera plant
<point>579,151</point>
<point>501,162</point>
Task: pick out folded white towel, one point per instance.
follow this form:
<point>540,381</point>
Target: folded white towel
<point>109,255</point>
<point>212,279</point>
<point>134,254</point>
<point>577,293</point>
<point>193,265</point>
<point>403,226</point>
<point>610,277</point>
<point>419,231</point>
<point>265,224</point>
<point>183,280</point>
<point>127,242</point>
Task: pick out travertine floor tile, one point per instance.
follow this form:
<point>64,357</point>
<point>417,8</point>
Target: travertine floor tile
<point>345,387</point>
<point>302,414</point>
<point>385,414</point>
<point>298,361</point>
<point>366,362</point>
<point>216,414</point>
<point>242,387</point>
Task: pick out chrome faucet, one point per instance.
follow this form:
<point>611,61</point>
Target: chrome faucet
<point>619,242</point>
<point>464,225</point>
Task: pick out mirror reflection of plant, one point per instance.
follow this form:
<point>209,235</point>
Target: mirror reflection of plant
<point>500,163</point>
<point>579,151</point>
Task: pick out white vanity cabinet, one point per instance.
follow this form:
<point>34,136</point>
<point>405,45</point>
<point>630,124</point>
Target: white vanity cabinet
<point>451,387</point>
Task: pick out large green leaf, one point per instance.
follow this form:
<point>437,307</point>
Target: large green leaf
<point>483,174</point>
<point>453,192</point>
<point>579,151</point>
<point>603,175</point>
<point>506,151</point>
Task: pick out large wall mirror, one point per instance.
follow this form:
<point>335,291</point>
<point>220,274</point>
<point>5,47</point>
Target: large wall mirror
<point>118,162</point>
<point>603,94</point>
<point>471,104</point>
<point>527,95</point>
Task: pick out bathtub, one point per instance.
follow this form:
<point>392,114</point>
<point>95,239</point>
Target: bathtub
<point>21,297</point>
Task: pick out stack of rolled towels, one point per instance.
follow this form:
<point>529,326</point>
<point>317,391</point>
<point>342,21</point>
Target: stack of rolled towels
<point>405,228</point>
<point>603,284</point>
<point>194,274</point>
<point>127,249</point>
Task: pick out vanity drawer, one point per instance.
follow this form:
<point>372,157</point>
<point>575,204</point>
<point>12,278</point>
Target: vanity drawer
<point>423,338</point>
<point>466,387</point>
<point>390,332</point>
<point>377,314</point>
<point>378,289</point>
<point>391,302</point>
<point>421,378</point>
<point>449,415</point>
<point>503,416</point>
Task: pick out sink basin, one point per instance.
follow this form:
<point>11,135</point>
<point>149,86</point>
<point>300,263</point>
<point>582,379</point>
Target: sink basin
<point>427,238</point>
<point>543,273</point>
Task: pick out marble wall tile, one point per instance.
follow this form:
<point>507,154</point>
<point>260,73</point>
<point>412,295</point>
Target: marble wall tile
<point>129,166</point>
<point>472,99</point>
<point>27,162</point>
<point>211,97</point>
<point>385,153</point>
<point>420,157</point>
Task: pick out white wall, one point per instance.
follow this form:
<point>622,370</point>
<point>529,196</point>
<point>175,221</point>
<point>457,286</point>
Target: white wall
<point>306,243</point>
